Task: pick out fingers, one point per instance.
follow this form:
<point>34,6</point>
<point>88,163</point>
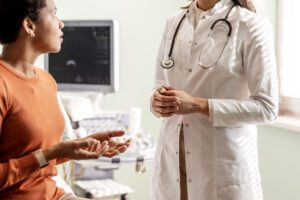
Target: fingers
<point>170,93</point>
<point>103,147</point>
<point>101,136</point>
<point>162,97</point>
<point>168,88</point>
<point>163,89</point>
<point>165,111</point>
<point>164,103</point>
<point>93,153</point>
<point>123,148</point>
<point>116,133</point>
<point>84,154</point>
<point>86,143</point>
<point>116,148</point>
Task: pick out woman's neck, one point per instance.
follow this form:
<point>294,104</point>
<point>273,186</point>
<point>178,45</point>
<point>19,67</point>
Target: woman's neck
<point>20,58</point>
<point>206,4</point>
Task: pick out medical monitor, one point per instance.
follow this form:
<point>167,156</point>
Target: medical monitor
<point>88,57</point>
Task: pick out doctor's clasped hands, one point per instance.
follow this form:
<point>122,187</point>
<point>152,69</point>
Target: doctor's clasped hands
<point>167,101</point>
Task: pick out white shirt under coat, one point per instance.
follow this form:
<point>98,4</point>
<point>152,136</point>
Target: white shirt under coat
<point>221,150</point>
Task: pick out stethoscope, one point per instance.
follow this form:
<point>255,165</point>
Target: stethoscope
<point>168,63</point>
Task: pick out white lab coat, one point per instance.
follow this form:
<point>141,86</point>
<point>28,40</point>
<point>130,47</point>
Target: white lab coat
<point>221,150</point>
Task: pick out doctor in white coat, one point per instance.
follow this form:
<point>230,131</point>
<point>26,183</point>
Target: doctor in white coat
<point>215,81</point>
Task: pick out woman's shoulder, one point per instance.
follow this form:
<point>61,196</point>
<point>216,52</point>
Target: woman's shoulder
<point>251,19</point>
<point>173,19</point>
<point>45,76</point>
<point>255,29</point>
<point>175,15</point>
<point>42,72</point>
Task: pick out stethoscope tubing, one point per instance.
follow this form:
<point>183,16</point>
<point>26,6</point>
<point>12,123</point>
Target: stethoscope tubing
<point>169,62</point>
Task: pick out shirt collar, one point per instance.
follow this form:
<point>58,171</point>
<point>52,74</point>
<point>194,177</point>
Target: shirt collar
<point>218,7</point>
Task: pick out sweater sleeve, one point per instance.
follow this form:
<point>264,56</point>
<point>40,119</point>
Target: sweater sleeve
<point>13,170</point>
<point>261,75</point>
<point>3,102</point>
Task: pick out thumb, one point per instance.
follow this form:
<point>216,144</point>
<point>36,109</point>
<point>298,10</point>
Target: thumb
<point>161,90</point>
<point>169,88</point>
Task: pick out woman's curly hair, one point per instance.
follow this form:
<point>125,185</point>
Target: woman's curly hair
<point>12,14</point>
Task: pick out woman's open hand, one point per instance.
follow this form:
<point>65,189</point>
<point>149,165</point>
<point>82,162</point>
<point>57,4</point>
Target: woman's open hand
<point>86,148</point>
<point>114,147</point>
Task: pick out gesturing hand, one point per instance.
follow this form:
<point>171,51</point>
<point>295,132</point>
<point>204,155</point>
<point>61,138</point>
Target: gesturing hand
<point>86,148</point>
<point>114,147</point>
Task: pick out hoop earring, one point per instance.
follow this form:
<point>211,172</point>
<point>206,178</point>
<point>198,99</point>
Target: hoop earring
<point>32,35</point>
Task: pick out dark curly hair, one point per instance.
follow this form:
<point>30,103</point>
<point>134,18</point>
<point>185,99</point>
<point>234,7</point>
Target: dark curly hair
<point>12,14</point>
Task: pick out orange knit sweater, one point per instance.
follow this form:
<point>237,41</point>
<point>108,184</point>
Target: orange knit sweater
<point>30,119</point>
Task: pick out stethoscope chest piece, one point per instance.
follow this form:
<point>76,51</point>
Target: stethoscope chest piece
<point>167,63</point>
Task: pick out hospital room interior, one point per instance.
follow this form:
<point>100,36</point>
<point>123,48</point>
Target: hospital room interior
<point>124,38</point>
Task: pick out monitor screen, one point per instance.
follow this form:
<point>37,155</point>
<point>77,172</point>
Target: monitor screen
<point>87,60</point>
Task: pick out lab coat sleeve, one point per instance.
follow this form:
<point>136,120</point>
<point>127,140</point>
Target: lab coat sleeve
<point>14,170</point>
<point>159,73</point>
<point>261,75</point>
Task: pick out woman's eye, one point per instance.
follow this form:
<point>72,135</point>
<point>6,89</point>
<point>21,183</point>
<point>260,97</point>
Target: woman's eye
<point>54,12</point>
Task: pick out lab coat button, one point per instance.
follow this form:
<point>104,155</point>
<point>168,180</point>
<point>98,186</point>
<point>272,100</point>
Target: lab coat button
<point>190,41</point>
<point>177,180</point>
<point>179,125</point>
<point>186,125</point>
<point>190,180</point>
<point>176,152</point>
<point>190,70</point>
<point>195,43</point>
<point>188,153</point>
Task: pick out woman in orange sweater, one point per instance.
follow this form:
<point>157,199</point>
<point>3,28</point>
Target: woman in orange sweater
<point>31,122</point>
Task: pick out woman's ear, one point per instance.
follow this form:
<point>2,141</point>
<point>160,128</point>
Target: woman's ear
<point>29,27</point>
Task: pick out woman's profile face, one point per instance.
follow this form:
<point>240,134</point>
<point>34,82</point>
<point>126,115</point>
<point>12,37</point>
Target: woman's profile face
<point>48,32</point>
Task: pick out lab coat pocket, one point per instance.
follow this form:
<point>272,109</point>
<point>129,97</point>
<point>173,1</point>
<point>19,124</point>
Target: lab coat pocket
<point>234,191</point>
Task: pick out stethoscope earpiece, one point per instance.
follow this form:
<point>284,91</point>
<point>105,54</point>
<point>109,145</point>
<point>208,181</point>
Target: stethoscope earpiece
<point>167,63</point>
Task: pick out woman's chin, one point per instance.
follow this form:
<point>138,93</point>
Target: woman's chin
<point>55,50</point>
